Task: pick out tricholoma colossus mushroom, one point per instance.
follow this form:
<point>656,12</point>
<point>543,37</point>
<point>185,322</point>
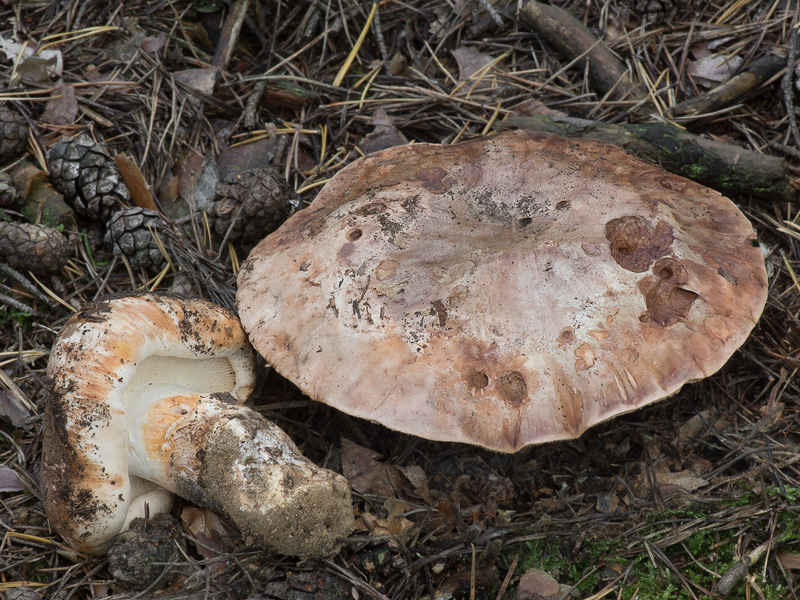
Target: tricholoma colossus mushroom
<point>504,291</point>
<point>146,401</point>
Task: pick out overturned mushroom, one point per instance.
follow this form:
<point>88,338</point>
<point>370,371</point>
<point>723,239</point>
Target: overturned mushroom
<point>503,291</point>
<point>146,401</point>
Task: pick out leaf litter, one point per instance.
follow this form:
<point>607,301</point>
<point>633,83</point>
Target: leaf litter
<point>662,502</point>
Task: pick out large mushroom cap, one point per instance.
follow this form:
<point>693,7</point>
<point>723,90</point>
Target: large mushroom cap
<point>503,291</point>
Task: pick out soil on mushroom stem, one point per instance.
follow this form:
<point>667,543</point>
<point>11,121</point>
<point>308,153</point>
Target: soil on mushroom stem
<point>656,504</point>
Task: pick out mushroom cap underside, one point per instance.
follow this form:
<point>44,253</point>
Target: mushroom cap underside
<point>504,291</point>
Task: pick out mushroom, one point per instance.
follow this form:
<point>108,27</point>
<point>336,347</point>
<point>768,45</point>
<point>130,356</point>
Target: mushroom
<point>146,401</point>
<point>504,291</point>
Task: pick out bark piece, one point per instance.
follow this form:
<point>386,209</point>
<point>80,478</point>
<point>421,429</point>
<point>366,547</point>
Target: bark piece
<point>732,90</point>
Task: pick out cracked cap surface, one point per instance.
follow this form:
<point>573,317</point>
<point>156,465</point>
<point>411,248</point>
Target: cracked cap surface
<point>503,291</point>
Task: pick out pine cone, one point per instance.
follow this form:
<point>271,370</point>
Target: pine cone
<point>129,233</point>
<point>82,170</point>
<point>13,135</point>
<point>656,11</point>
<point>37,248</point>
<point>267,203</point>
<point>8,193</point>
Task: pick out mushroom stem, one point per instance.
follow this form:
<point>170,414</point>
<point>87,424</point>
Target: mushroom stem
<point>148,501</point>
<point>233,460</point>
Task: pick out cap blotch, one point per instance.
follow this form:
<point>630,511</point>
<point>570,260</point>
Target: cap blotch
<point>635,243</point>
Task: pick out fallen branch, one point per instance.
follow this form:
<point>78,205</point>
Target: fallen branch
<point>725,167</point>
<point>230,34</point>
<point>732,90</point>
<point>571,38</point>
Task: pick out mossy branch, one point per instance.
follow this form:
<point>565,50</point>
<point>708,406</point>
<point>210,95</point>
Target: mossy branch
<point>725,167</point>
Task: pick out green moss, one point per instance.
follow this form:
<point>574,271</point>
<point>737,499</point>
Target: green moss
<point>652,584</point>
<point>697,558</point>
<point>542,555</point>
<point>15,316</point>
<point>789,527</point>
<point>790,494</point>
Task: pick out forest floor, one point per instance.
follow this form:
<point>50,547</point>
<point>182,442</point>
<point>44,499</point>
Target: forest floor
<point>693,497</point>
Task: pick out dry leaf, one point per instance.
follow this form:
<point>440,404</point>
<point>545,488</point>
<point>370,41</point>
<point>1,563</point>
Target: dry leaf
<point>533,106</point>
<point>63,108</point>
<point>209,530</point>
<point>700,50</point>
<point>714,69</point>
<point>537,585</point>
<point>10,481</point>
<point>694,427</point>
<point>13,409</point>
<point>699,465</point>
<point>44,65</point>
<point>154,43</point>
<point>366,473</point>
<point>397,65</point>
<point>246,157</point>
<point>385,135</point>
<point>202,80</point>
<point>132,176</point>
<point>607,502</point>
<point>419,482</point>
<point>789,560</point>
<point>685,480</point>
<point>95,74</point>
<point>470,61</point>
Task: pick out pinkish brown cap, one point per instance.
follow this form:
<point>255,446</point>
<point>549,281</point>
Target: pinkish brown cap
<point>504,291</point>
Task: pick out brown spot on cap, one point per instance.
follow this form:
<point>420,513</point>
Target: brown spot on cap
<point>440,310</point>
<point>373,208</point>
<point>591,249</point>
<point>635,243</point>
<point>386,269</point>
<point>666,303</point>
<point>586,356</point>
<point>673,184</point>
<point>567,336</point>
<point>717,327</point>
<point>512,387</point>
<point>435,179</point>
<point>599,334</point>
<point>478,380</point>
<point>671,270</point>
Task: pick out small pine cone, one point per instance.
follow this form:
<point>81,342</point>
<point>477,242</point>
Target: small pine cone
<point>656,11</point>
<point>88,177</point>
<point>36,248</point>
<point>8,193</point>
<point>128,232</point>
<point>266,205</point>
<point>13,135</point>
